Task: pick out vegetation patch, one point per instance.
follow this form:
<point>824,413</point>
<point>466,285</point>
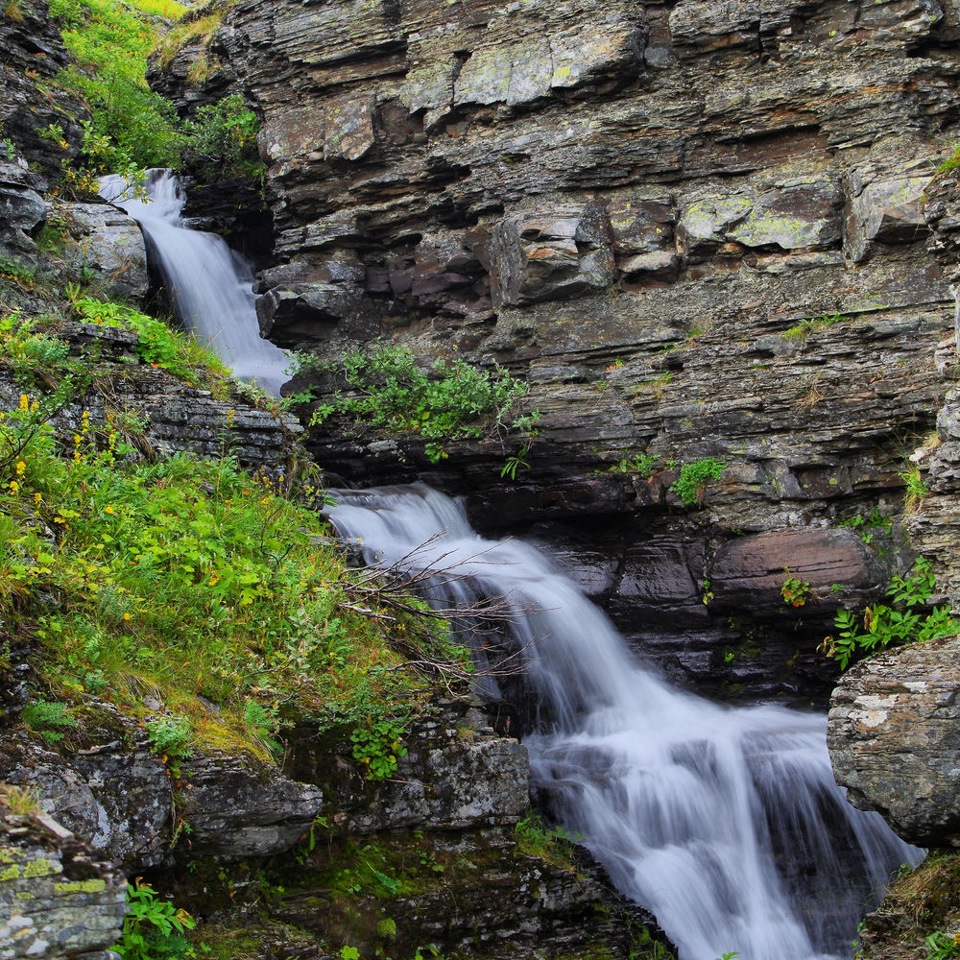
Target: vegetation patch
<point>919,916</point>
<point>185,578</point>
<point>801,330</point>
<point>908,618</point>
<point>691,486</point>
<point>131,126</point>
<point>454,400</point>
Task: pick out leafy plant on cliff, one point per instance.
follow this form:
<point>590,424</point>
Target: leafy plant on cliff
<point>553,844</point>
<point>130,125</point>
<point>221,141</point>
<point>691,485</point>
<point>795,592</point>
<point>377,746</point>
<point>159,344</point>
<point>908,618</point>
<point>153,928</point>
<point>915,488</point>
<point>454,400</point>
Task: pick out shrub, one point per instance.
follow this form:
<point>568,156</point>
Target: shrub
<point>221,142</point>
<point>902,621</point>
<point>378,747</point>
<point>130,126</point>
<point>691,485</point>
<point>454,401</point>
<point>153,928</point>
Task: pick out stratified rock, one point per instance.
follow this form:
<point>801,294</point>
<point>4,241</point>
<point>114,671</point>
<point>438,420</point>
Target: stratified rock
<point>894,738</point>
<point>45,131</point>
<point>238,808</point>
<point>696,229</point>
<point>456,775</point>
<point>21,207</point>
<point>752,570</point>
<point>56,900</point>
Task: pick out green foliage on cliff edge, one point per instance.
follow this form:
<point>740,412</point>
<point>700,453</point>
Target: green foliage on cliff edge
<point>131,126</point>
<point>908,618</point>
<point>454,400</point>
<point>109,43</point>
<point>181,581</point>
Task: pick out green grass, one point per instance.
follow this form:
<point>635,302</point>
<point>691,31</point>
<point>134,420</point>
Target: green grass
<point>109,43</point>
<point>801,330</point>
<point>185,578</point>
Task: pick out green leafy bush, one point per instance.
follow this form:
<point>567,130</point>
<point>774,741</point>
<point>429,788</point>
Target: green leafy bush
<point>902,621</point>
<point>795,592</point>
<point>942,946</point>
<point>454,401</point>
<point>131,126</point>
<point>221,142</point>
<point>153,928</point>
<point>170,736</point>
<point>377,746</point>
<point>691,485</point>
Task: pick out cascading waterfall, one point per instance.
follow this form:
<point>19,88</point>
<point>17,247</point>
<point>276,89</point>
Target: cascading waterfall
<point>725,822</point>
<point>211,286</point>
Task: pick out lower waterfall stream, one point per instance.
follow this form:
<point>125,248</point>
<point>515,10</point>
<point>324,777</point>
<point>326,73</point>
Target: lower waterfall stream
<point>211,286</point>
<point>725,822</point>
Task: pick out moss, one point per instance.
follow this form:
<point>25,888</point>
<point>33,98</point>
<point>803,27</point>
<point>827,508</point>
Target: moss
<point>81,886</point>
<point>40,867</point>
<point>10,873</point>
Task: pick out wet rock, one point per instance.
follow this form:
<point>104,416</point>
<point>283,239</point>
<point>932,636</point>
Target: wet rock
<point>751,571</point>
<point>894,739</point>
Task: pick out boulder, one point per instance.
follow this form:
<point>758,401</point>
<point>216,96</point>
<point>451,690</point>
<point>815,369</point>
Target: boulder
<point>238,808</point>
<point>894,739</point>
<point>106,246</point>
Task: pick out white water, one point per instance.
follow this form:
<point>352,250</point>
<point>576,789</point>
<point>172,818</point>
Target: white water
<point>210,285</point>
<point>726,823</point>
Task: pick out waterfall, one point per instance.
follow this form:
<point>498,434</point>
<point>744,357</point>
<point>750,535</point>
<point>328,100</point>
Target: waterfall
<point>210,285</point>
<point>725,822</point>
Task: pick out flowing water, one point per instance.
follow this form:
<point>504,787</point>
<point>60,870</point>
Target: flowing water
<point>725,822</point>
<point>210,285</point>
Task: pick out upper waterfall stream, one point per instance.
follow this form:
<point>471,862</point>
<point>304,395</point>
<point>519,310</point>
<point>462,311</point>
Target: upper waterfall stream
<point>211,285</point>
<point>726,823</point>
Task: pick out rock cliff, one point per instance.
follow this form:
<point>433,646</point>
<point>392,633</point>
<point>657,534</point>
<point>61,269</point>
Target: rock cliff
<point>696,231</point>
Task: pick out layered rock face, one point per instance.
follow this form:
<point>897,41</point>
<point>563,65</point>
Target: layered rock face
<point>697,230</point>
<point>894,740</point>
